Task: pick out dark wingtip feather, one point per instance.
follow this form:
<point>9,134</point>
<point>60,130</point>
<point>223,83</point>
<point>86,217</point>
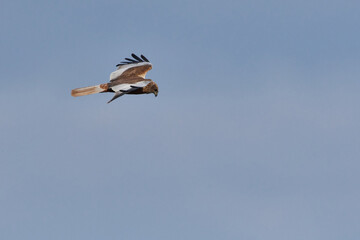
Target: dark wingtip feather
<point>145,59</point>
<point>136,57</point>
<point>124,91</point>
<point>131,60</point>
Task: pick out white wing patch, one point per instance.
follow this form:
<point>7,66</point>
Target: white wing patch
<point>124,87</point>
<point>141,84</point>
<point>128,86</point>
<point>123,68</point>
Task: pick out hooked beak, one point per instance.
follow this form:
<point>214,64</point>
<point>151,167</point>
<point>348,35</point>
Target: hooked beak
<point>156,94</point>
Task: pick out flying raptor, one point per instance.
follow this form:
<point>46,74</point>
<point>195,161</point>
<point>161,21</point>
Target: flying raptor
<point>129,78</point>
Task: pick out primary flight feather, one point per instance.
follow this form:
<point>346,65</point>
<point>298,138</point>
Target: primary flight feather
<point>129,78</point>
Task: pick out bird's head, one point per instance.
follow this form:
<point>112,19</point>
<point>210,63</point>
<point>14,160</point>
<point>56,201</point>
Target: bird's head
<point>154,88</point>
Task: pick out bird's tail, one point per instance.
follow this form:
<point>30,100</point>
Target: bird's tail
<point>89,90</point>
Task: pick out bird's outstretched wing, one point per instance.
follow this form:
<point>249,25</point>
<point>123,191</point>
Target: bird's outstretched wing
<point>137,67</point>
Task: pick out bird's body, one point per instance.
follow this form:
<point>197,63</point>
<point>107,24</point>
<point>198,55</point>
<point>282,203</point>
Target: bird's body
<point>129,78</point>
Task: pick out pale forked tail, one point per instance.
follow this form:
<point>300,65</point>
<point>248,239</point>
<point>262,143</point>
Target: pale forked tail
<point>89,90</point>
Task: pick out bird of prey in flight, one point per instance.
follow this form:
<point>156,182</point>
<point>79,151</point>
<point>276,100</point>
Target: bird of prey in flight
<point>129,78</point>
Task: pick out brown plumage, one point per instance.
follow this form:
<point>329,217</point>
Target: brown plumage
<point>129,78</point>
<point>77,92</point>
<point>139,71</point>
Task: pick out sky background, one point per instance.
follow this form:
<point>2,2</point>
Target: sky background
<point>254,135</point>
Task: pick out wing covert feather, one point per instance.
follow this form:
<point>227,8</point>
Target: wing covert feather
<point>137,70</point>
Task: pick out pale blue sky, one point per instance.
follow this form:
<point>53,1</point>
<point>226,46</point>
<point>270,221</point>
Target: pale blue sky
<point>254,135</point>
